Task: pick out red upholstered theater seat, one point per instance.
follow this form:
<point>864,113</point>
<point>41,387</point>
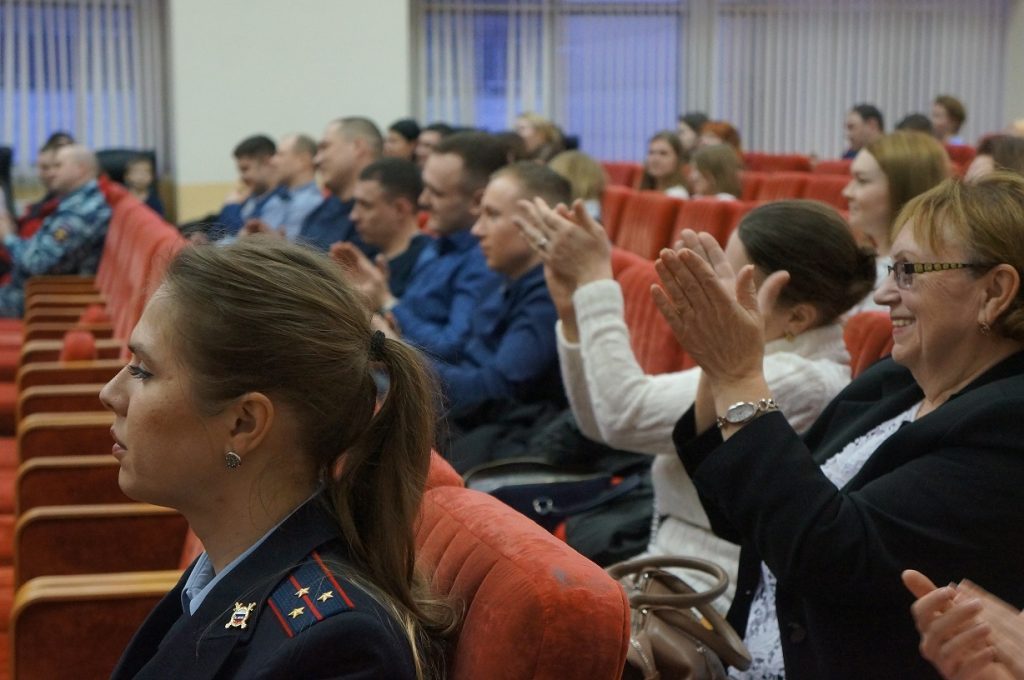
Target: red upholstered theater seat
<point>705,214</point>
<point>751,180</point>
<point>622,174</point>
<point>827,189</point>
<point>776,162</point>
<point>613,201</point>
<point>839,166</point>
<point>779,186</point>
<point>655,347</point>
<point>647,222</point>
<point>533,607</point>
<point>868,337</point>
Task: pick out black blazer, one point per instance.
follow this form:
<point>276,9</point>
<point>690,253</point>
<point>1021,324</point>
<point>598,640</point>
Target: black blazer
<point>942,495</point>
<point>346,634</point>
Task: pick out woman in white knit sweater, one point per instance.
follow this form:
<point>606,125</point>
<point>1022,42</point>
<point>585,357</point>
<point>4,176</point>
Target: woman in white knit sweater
<point>806,362</point>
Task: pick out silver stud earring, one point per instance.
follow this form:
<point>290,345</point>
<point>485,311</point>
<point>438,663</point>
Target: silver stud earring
<point>985,328</point>
<point>232,460</point>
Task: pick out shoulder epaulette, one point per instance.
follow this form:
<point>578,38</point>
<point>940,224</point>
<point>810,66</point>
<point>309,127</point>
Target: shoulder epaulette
<point>308,595</point>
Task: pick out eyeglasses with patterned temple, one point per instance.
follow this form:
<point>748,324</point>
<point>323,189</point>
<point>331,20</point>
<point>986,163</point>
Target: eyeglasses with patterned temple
<point>904,271</point>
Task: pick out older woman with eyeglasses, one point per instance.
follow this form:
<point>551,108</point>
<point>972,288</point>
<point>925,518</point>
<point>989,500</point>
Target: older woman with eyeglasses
<point>917,463</point>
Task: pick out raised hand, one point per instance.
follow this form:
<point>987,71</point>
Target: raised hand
<point>364,274</point>
<point>574,248</point>
<point>717,320</point>
<point>257,227</point>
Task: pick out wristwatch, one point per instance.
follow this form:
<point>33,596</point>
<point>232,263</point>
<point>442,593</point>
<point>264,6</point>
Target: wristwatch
<point>742,412</point>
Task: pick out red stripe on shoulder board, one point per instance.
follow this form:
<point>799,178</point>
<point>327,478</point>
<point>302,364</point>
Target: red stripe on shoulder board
<point>280,618</point>
<point>305,598</point>
<point>330,577</point>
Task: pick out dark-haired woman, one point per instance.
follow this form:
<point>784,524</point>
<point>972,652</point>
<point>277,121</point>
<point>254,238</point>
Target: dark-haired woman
<point>249,406</point>
<point>615,402</point>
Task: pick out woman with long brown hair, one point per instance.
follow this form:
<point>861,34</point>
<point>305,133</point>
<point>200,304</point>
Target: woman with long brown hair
<point>250,406</point>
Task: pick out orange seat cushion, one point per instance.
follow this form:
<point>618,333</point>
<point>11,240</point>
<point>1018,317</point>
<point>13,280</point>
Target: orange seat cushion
<point>8,451</point>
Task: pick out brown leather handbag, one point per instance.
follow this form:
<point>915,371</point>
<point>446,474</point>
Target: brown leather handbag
<point>675,632</point>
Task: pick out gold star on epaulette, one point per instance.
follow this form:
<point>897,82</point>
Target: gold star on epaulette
<point>60,235</point>
<point>297,612</point>
<point>326,596</point>
<point>301,592</point>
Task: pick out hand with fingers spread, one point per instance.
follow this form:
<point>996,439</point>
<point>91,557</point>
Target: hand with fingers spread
<point>957,636</point>
<point>715,314</point>
<point>370,278</point>
<point>574,248</point>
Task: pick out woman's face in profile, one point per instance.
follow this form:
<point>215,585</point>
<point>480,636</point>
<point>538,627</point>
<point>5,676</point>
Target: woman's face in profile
<point>661,159</point>
<point>936,317</point>
<point>531,136</point>
<point>169,452</point>
<point>868,197</point>
<point>701,183</point>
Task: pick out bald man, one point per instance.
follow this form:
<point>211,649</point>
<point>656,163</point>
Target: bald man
<point>70,240</point>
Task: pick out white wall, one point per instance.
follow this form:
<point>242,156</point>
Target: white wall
<point>238,67</point>
<point>1014,86</point>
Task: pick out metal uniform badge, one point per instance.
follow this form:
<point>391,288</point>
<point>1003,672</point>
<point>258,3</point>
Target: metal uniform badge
<point>240,616</point>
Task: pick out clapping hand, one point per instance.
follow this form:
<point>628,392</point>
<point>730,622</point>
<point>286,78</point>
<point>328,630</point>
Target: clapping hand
<point>574,248</point>
<point>716,314</point>
<point>256,226</point>
<point>370,278</point>
<point>966,632</point>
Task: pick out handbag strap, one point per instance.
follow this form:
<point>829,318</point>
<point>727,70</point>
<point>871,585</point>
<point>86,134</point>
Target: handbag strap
<point>546,506</point>
<point>684,596</point>
<point>721,637</point>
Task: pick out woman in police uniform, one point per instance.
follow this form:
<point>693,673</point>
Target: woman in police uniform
<point>249,406</point>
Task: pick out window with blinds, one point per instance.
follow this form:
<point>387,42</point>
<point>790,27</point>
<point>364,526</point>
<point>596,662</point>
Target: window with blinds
<point>93,68</point>
<point>783,71</point>
<point>605,71</point>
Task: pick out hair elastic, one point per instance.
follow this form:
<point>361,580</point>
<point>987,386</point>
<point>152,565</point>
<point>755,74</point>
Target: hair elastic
<point>377,346</point>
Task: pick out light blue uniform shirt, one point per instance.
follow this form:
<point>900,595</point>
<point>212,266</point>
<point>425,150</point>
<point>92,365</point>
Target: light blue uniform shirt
<point>203,579</point>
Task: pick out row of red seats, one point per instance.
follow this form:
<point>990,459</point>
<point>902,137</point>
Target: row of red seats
<point>628,174</point>
<point>644,222</point>
<point>71,340</point>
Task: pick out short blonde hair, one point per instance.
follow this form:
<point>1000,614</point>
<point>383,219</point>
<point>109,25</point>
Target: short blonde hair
<point>986,218</point>
<point>583,172</point>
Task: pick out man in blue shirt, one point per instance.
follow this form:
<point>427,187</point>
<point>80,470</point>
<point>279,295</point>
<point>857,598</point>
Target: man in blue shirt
<point>297,193</point>
<point>259,201</point>
<point>510,355</point>
<point>70,241</point>
<point>386,197</point>
<point>446,286</point>
<point>348,145</point>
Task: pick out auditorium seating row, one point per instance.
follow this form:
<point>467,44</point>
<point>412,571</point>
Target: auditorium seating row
<point>644,222</point>
<point>628,174</point>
